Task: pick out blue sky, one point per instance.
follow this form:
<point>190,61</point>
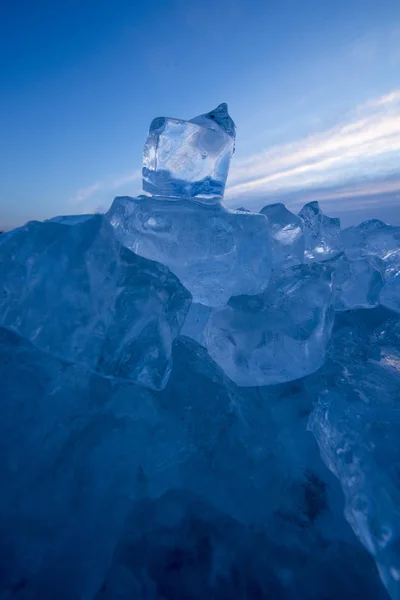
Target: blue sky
<point>314,89</point>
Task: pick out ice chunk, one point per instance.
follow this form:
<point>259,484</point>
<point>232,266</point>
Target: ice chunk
<point>276,336</point>
<point>287,238</point>
<point>69,287</point>
<point>322,233</point>
<point>189,159</point>
<point>370,237</point>
<point>287,247</point>
<point>216,253</point>
<point>358,282</point>
<point>376,238</point>
<point>356,422</point>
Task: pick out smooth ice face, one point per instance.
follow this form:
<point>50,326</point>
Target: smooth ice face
<point>356,423</point>
<point>71,289</point>
<point>376,238</point>
<point>216,253</point>
<point>358,282</point>
<point>189,159</point>
<point>287,238</point>
<point>321,233</point>
<point>276,336</point>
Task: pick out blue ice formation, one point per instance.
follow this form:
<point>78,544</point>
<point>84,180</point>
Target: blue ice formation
<point>199,402</point>
<point>358,282</point>
<point>202,489</point>
<point>375,238</point>
<point>356,422</point>
<point>287,235</point>
<point>75,292</point>
<point>215,252</point>
<point>276,336</point>
<point>322,233</point>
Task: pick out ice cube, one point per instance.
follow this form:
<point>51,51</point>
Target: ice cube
<point>189,159</point>
<point>276,336</point>
<point>322,233</point>
<point>71,289</point>
<point>287,238</point>
<point>216,253</point>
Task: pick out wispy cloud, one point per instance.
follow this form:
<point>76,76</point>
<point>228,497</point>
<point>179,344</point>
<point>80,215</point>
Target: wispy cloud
<point>85,193</point>
<point>367,144</point>
<point>135,176</point>
<point>87,198</point>
<point>359,190</point>
<point>365,48</point>
<point>391,98</point>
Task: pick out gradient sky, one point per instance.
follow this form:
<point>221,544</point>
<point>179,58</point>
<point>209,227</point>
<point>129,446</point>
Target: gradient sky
<point>314,89</point>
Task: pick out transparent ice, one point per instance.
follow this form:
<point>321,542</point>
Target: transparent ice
<point>71,289</point>
<point>189,159</point>
<point>276,336</point>
<point>216,253</point>
<point>358,282</point>
<point>287,238</point>
<point>378,239</point>
<point>321,233</point>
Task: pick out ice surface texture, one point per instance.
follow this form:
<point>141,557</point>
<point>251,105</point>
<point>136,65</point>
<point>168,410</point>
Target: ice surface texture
<point>189,159</point>
<point>378,239</point>
<point>356,422</point>
<point>287,237</point>
<point>322,233</point>
<point>276,336</point>
<point>358,282</point>
<point>216,253</point>
<point>69,287</point>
